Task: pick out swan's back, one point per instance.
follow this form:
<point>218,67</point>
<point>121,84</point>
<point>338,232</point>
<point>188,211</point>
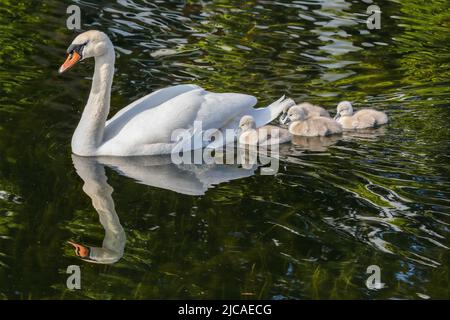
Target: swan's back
<point>180,111</point>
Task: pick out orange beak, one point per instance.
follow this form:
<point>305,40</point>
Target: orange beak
<point>80,250</point>
<point>71,60</point>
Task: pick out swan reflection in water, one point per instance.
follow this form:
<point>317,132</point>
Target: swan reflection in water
<point>156,171</point>
<point>321,144</point>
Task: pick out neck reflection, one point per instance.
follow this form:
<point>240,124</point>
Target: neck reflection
<point>155,171</point>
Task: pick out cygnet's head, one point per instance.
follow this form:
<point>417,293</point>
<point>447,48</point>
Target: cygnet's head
<point>344,108</point>
<point>89,44</point>
<point>288,106</point>
<point>247,123</point>
<point>303,105</point>
<point>295,113</point>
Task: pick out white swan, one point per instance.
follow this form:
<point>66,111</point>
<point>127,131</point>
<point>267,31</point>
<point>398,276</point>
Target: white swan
<point>263,136</point>
<point>301,125</point>
<point>310,110</point>
<point>362,119</point>
<point>145,127</point>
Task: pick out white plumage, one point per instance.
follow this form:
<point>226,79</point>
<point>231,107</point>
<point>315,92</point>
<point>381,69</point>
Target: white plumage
<point>146,126</point>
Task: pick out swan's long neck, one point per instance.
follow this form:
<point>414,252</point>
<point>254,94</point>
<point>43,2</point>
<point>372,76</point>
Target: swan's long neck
<point>97,188</point>
<point>88,136</point>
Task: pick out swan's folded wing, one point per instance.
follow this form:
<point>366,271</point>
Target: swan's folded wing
<point>219,109</point>
<point>150,101</point>
<point>193,112</point>
<point>216,112</point>
<point>263,116</point>
<point>141,106</point>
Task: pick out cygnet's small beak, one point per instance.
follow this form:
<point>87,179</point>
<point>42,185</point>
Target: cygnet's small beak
<point>284,119</point>
<point>71,60</point>
<point>237,132</point>
<point>336,117</point>
<point>80,250</point>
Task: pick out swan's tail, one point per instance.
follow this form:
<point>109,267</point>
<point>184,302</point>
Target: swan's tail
<point>266,115</point>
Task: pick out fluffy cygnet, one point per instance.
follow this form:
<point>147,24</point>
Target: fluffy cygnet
<point>267,135</point>
<point>301,125</point>
<point>362,119</point>
<point>310,111</point>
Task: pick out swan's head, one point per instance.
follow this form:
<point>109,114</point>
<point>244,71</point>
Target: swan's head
<point>89,44</point>
<point>344,108</point>
<point>295,113</point>
<point>247,123</point>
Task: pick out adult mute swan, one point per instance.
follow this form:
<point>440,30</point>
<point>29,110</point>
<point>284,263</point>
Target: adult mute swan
<point>362,119</point>
<point>309,109</point>
<point>301,125</point>
<point>263,136</point>
<point>146,126</point>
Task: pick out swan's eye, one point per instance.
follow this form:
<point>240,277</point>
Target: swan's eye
<point>78,48</point>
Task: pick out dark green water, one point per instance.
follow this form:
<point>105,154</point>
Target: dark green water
<point>335,207</point>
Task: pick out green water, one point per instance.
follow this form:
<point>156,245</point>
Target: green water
<point>334,208</point>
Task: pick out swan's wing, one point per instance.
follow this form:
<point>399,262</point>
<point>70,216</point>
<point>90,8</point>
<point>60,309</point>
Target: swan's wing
<point>218,109</point>
<point>224,110</point>
<point>150,101</point>
<point>263,116</point>
<point>144,130</point>
<point>140,107</point>
<point>210,111</point>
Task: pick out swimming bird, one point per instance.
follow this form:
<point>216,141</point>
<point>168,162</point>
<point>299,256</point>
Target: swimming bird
<point>263,136</point>
<point>310,111</point>
<point>362,119</point>
<point>148,125</point>
<point>301,125</point>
